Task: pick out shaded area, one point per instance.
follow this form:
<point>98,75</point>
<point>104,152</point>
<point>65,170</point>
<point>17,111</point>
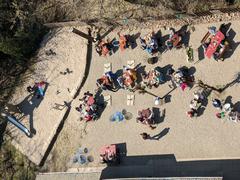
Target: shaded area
<point>185,34</point>
<point>200,54</point>
<point>28,105</point>
<point>159,116</point>
<point>51,144</point>
<point>3,126</point>
<point>88,64</point>
<point>167,166</point>
<point>204,102</point>
<point>232,44</point>
<point>132,40</point>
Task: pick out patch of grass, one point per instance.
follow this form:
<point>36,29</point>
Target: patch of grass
<point>13,165</point>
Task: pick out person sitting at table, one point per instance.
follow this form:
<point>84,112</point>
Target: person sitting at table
<point>145,116</point>
<point>106,82</point>
<point>212,30</point>
<point>105,47</point>
<point>219,51</point>
<point>153,78</point>
<point>128,80</point>
<point>206,44</point>
<point>143,43</point>
<point>149,43</point>
<point>123,41</point>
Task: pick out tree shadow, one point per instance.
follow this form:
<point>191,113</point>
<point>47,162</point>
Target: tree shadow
<point>230,84</point>
<point>132,40</point>
<point>168,93</point>
<point>88,64</point>
<point>160,135</point>
<point>107,32</point>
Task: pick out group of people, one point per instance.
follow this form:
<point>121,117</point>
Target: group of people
<point>146,117</point>
<point>150,43</point>
<point>174,40</point>
<point>37,89</point>
<point>110,81</point>
<point>88,108</point>
<point>104,48</point>
<point>226,111</point>
<point>153,78</point>
<point>196,103</point>
<point>210,38</point>
<point>182,77</point>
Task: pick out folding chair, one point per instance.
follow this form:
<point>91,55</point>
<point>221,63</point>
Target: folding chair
<point>130,99</point>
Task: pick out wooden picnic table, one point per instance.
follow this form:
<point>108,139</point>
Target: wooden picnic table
<point>175,40</point>
<point>215,42</point>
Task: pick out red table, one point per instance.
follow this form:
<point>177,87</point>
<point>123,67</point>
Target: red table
<point>110,150</point>
<point>215,42</point>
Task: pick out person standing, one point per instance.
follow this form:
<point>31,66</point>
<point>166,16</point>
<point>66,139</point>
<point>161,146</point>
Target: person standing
<point>145,136</point>
<point>217,103</point>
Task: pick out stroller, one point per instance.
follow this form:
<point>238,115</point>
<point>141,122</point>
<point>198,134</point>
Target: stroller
<point>146,117</point>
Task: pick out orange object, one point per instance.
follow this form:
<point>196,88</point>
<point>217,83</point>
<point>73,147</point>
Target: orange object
<point>122,42</point>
